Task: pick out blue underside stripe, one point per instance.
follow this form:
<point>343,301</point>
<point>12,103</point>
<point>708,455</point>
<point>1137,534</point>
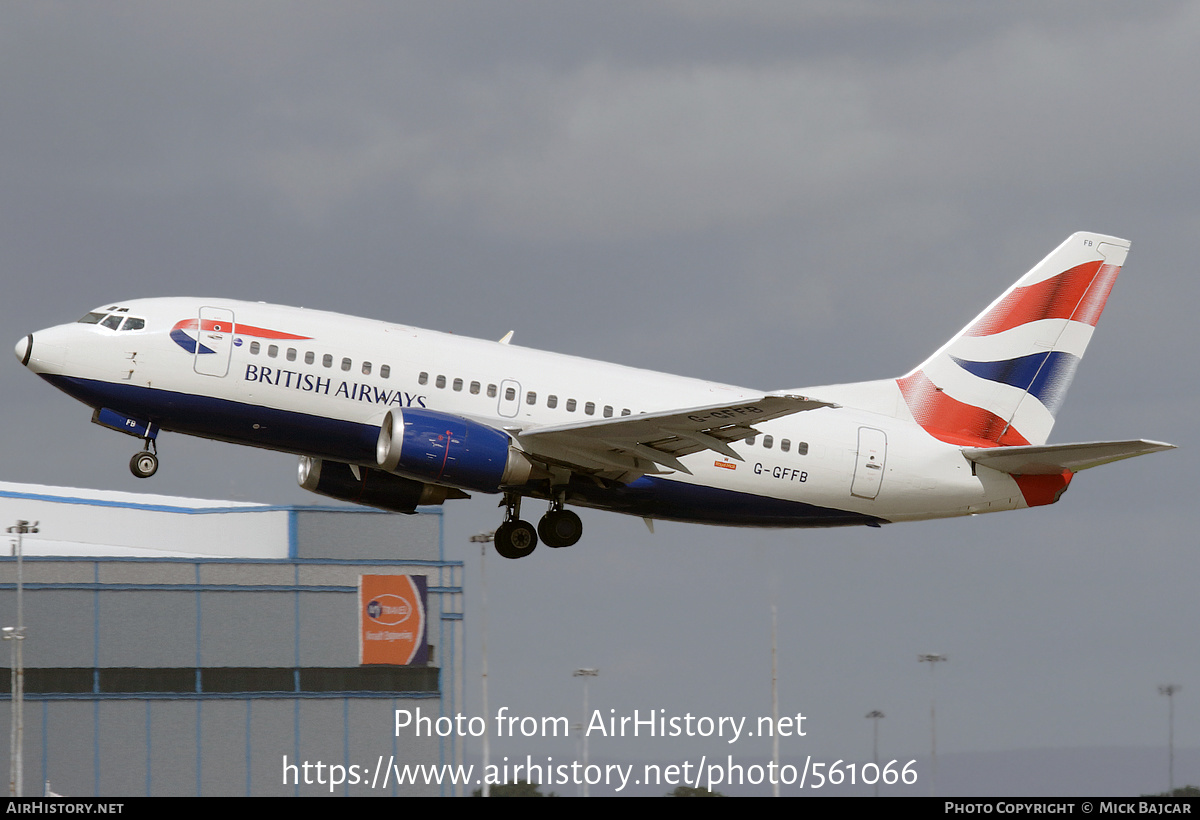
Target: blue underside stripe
<point>337,440</point>
<point>232,421</point>
<point>676,501</point>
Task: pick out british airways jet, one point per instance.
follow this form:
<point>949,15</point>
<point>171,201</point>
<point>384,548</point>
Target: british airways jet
<point>396,417</point>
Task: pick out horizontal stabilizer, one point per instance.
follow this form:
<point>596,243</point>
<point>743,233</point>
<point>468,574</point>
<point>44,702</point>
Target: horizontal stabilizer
<point>1053,459</point>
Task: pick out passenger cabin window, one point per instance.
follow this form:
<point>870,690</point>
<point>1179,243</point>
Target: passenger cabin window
<point>385,371</point>
<point>423,378</point>
<point>309,356</point>
<point>474,388</point>
<point>458,383</point>
<point>802,448</point>
<point>346,365</point>
<point>366,368</point>
<point>531,397</point>
<point>552,402</point>
<point>291,354</point>
<point>768,441</point>
<point>608,411</point>
<point>491,391</point>
<point>254,348</point>
<point>625,411</point>
<point>590,408</point>
<point>327,360</point>
<point>273,351</point>
<point>440,381</point>
<point>510,393</point>
<point>785,445</point>
<point>750,440</point>
<point>570,405</point>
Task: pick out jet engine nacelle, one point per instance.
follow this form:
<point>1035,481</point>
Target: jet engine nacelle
<point>374,488</point>
<point>448,449</point>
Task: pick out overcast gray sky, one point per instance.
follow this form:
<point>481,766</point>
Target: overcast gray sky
<point>773,194</point>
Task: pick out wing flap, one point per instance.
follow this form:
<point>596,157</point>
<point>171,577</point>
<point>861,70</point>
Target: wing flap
<point>1052,459</point>
<point>646,442</point>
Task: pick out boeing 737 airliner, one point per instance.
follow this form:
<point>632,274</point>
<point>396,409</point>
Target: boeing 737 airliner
<point>396,417</point>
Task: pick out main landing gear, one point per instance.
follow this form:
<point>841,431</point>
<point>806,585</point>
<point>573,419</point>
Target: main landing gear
<point>559,527</point>
<point>516,538</point>
<point>145,463</point>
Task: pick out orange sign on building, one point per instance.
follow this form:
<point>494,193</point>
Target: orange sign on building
<point>391,619</point>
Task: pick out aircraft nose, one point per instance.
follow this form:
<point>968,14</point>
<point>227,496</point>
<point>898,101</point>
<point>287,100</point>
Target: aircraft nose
<point>24,348</point>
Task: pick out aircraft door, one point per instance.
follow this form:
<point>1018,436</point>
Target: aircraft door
<point>214,341</point>
<point>510,398</point>
<point>869,467</point>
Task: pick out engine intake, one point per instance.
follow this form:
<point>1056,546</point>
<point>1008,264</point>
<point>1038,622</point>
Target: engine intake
<point>447,449</point>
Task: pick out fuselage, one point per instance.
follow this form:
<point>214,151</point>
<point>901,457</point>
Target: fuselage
<point>319,384</point>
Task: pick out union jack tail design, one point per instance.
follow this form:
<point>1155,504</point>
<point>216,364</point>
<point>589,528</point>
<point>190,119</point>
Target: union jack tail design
<point>1001,380</point>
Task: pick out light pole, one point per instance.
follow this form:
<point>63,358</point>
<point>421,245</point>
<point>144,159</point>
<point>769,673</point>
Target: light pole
<point>483,539</point>
<point>16,729</point>
<point>875,715</point>
<point>585,673</point>
<point>17,636</point>
<point>774,700</point>
<point>1169,690</point>
<point>933,659</point>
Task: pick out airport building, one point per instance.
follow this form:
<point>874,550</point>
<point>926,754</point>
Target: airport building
<point>175,646</point>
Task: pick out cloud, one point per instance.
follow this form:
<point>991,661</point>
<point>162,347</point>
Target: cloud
<point>626,153</point>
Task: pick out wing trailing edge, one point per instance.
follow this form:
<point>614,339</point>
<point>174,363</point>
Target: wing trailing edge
<point>648,443</point>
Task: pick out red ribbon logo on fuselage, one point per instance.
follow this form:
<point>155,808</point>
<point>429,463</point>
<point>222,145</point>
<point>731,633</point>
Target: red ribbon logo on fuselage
<point>187,333</point>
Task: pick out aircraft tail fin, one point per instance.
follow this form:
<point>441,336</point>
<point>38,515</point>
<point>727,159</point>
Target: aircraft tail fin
<point>1002,378</point>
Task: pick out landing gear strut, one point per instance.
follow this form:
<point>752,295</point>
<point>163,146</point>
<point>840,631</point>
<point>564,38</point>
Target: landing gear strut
<point>145,463</point>
<point>559,527</point>
<point>514,538</point>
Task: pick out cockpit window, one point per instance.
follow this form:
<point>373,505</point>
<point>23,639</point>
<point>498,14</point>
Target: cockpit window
<point>112,321</point>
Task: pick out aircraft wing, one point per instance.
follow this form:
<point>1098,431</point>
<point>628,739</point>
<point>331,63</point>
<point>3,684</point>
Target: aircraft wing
<point>1053,459</point>
<point>648,442</point>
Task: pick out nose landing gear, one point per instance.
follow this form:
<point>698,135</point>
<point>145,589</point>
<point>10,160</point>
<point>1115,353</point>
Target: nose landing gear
<point>145,463</point>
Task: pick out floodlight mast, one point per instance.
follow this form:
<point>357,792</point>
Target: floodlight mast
<point>774,699</point>
<point>933,659</point>
<point>16,775</point>
<point>1169,690</point>
<point>875,715</point>
<point>585,673</point>
<point>485,538</point>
